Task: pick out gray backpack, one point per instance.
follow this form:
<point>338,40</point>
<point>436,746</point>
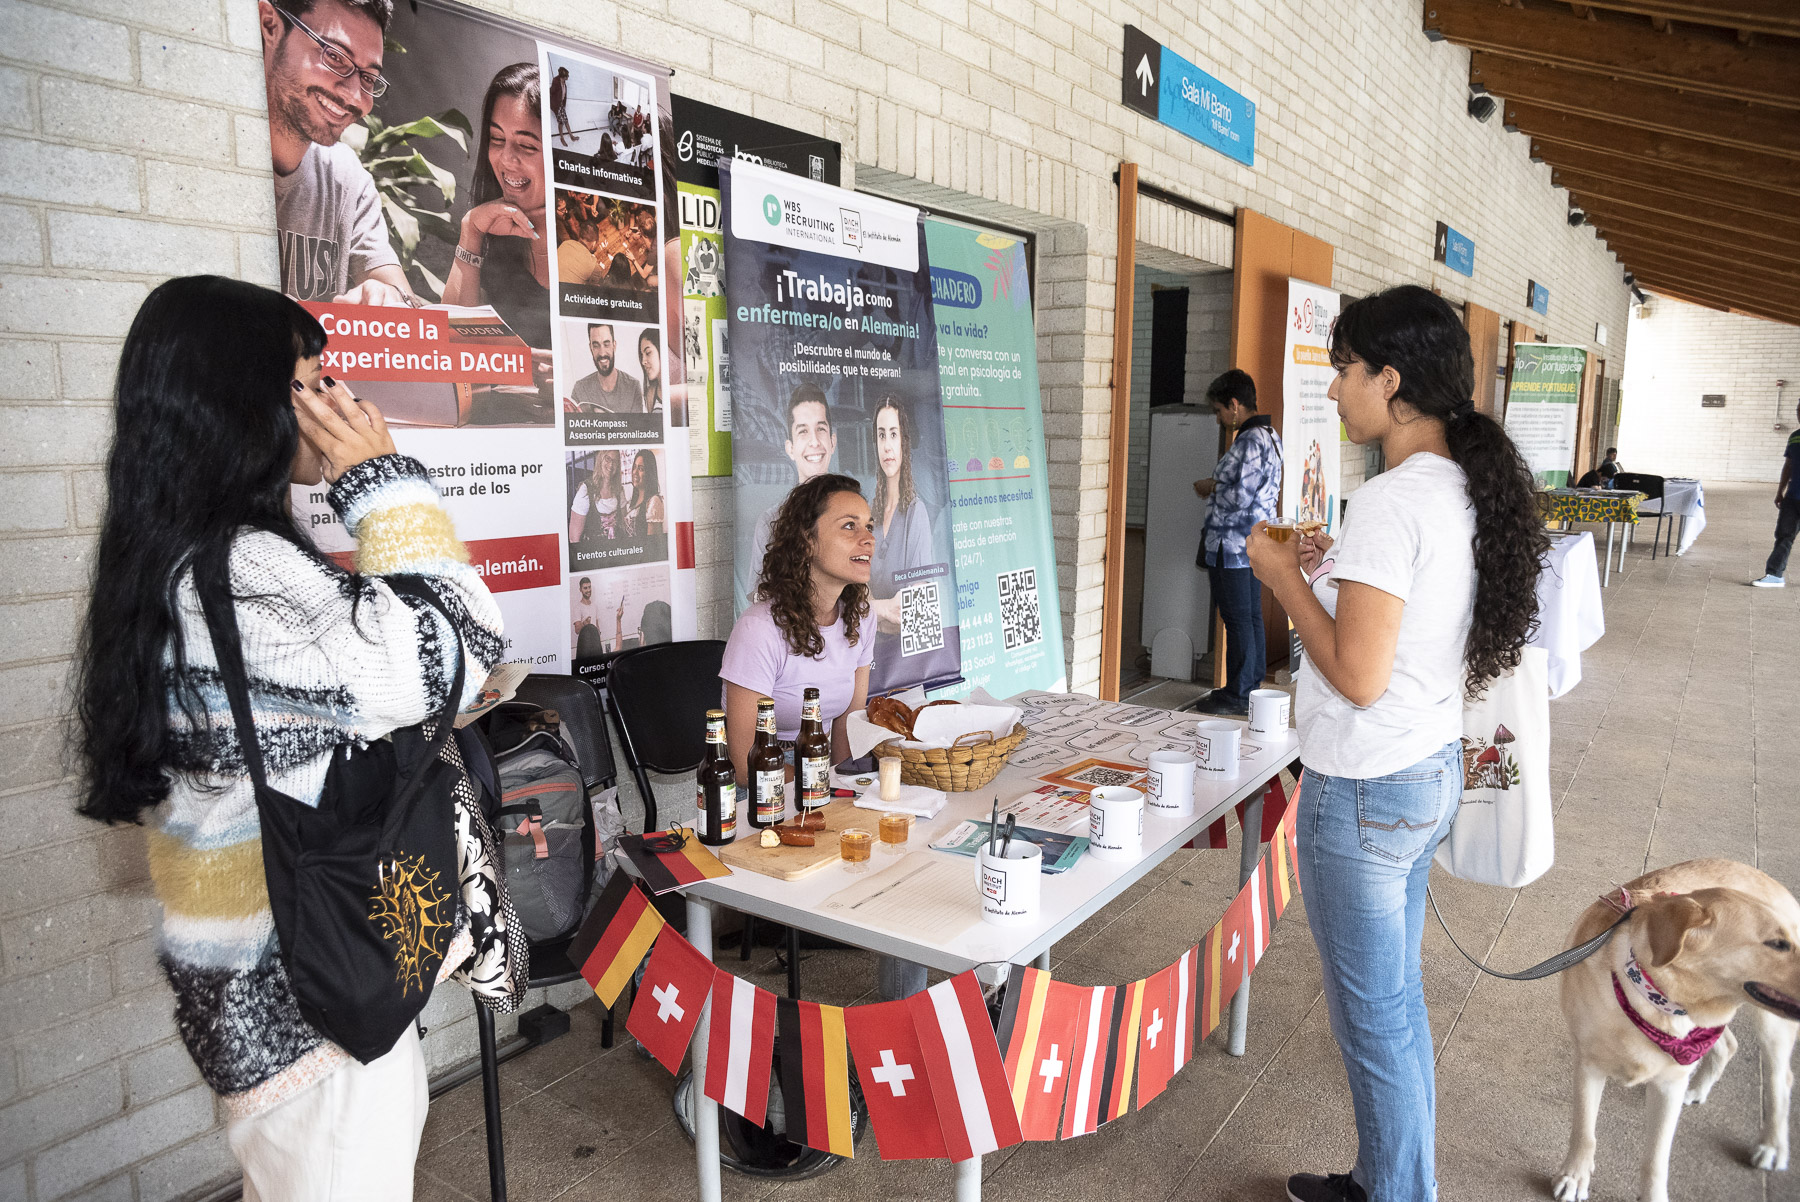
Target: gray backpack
<point>544,822</point>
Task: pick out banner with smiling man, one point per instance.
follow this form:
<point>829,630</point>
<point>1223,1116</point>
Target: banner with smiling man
<point>835,369</point>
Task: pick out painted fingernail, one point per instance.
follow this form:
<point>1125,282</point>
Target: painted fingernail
<point>329,382</point>
<point>298,386</point>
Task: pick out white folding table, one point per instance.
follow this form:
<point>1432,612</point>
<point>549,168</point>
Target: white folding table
<point>1069,898</point>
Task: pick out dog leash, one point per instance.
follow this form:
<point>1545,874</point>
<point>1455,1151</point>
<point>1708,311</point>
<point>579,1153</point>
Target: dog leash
<point>1547,968</point>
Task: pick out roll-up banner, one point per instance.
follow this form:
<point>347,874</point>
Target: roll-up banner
<point>703,136</point>
<point>1541,405</point>
<point>834,368</point>
<point>1007,603</point>
<point>489,243</point>
<point>1310,434</point>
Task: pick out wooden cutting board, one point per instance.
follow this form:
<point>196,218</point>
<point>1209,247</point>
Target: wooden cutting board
<point>791,863</point>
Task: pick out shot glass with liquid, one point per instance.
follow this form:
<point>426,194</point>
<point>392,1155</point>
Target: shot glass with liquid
<point>854,848</point>
<point>896,829</point>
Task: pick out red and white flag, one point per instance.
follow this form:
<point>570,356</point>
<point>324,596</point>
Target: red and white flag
<point>1159,1034</point>
<point>1037,1036</point>
<point>975,1108</point>
<point>676,982</point>
<point>1185,988</point>
<point>1260,924</point>
<point>1234,944</point>
<point>1081,1112</point>
<point>894,1081</point>
<point>741,1046</point>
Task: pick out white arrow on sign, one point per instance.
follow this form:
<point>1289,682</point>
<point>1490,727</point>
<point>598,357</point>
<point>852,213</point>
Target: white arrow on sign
<point>1145,78</point>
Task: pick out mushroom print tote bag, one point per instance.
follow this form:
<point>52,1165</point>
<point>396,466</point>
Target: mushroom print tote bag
<point>1502,834</point>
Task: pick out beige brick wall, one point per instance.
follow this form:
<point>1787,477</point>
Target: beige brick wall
<point>1679,353</point>
<point>133,147</point>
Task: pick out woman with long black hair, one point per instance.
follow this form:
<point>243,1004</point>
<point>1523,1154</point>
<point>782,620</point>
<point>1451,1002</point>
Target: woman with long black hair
<point>1426,597</point>
<point>220,407</point>
<point>643,517</point>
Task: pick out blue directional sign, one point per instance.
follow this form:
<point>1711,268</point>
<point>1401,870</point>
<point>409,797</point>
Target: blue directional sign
<point>1455,251</point>
<point>1161,83</point>
<point>1540,297</point>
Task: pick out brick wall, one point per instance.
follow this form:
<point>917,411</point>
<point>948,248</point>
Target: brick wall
<point>1680,352</point>
<point>133,147</point>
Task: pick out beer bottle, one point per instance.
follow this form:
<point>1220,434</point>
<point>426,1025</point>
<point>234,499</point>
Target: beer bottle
<point>716,786</point>
<point>812,754</point>
<point>768,770</point>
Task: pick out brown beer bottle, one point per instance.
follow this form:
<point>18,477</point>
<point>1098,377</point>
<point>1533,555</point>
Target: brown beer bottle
<point>812,754</point>
<point>716,786</point>
<point>768,770</point>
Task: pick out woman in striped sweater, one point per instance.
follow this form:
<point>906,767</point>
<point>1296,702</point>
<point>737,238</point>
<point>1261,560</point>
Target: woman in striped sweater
<point>220,407</point>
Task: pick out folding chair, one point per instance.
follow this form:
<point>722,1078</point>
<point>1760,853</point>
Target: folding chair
<point>1652,488</point>
<point>584,726</point>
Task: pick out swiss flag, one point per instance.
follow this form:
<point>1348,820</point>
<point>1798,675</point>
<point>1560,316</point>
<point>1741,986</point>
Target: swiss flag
<point>741,1046</point>
<point>1235,950</point>
<point>1159,1035</point>
<point>894,1081</point>
<point>676,982</point>
<point>1081,1114</point>
<point>975,1109</point>
<point>1037,1034</point>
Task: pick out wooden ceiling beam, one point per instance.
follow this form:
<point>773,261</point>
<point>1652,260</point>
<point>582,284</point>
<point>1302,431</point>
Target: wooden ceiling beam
<point>1779,17</point>
<point>1675,265</point>
<point>1628,206</point>
<point>1641,105</point>
<point>1736,298</point>
<point>1669,150</point>
<point>1635,248</point>
<point>1660,226</point>
<point>1707,298</point>
<point>1570,166</point>
<point>1701,60</point>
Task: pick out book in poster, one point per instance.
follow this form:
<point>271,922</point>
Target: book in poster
<point>420,219</point>
<point>834,368</point>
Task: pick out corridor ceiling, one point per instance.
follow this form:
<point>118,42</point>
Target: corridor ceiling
<point>1674,125</point>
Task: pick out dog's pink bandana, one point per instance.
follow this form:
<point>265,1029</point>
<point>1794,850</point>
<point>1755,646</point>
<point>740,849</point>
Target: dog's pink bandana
<point>1686,1049</point>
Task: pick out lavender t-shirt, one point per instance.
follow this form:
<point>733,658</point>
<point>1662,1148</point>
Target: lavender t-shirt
<point>758,658</point>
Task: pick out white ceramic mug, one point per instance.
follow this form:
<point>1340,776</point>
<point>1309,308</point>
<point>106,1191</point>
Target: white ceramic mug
<point>1269,710</point>
<point>1217,742</point>
<point>1171,783</point>
<point>1010,885</point>
<point>1116,823</point>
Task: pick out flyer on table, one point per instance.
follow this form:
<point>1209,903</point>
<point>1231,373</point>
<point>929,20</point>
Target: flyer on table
<point>1007,603</point>
<point>834,368</point>
<point>487,245</point>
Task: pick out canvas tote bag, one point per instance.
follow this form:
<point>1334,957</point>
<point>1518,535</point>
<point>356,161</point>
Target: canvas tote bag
<point>1502,834</point>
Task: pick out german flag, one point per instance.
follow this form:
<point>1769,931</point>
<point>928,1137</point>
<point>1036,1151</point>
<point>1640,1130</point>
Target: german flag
<point>1277,874</point>
<point>1121,1053</point>
<point>664,871</point>
<point>1211,995</point>
<point>615,936</point>
<point>815,1075</point>
<point>1287,836</point>
<point>1038,1028</point>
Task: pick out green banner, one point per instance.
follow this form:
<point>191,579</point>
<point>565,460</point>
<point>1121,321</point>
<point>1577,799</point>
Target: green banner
<point>994,431</point>
<point>1541,406</point>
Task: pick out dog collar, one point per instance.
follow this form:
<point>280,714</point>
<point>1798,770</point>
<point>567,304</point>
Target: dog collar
<point>1639,976</point>
<point>1685,1049</point>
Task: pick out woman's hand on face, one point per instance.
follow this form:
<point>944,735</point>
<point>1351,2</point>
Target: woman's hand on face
<point>1274,563</point>
<point>344,430</point>
<point>498,218</point>
<point>1312,552</point>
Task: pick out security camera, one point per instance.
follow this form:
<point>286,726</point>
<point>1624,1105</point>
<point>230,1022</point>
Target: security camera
<point>1482,107</point>
<point>1577,217</point>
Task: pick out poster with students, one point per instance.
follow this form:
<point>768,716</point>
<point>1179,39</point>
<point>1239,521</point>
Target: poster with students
<point>1008,609</point>
<point>1311,438</point>
<point>834,368</point>
<point>482,217</point>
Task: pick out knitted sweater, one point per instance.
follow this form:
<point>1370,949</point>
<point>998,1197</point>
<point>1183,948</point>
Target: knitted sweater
<point>332,658</point>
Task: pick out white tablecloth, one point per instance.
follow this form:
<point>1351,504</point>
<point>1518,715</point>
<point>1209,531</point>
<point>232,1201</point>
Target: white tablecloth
<point>1684,499</point>
<point>1570,616</point>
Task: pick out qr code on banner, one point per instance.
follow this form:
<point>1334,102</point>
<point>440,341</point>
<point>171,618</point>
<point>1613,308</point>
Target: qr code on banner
<point>921,619</point>
<point>1097,777</point>
<point>1019,621</point>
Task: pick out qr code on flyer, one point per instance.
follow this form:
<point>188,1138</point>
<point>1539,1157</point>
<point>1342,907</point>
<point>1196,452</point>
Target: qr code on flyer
<point>921,619</point>
<point>1019,621</point>
<point>1098,777</point>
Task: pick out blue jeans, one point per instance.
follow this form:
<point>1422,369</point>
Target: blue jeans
<point>1239,598</point>
<point>1365,853</point>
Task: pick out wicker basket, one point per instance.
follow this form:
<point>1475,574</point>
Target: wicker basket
<point>973,761</point>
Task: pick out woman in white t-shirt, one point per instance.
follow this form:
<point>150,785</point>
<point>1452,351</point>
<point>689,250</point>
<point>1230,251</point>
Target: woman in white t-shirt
<point>1427,596</point>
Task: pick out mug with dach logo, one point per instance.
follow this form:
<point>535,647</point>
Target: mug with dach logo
<point>1269,710</point>
<point>1115,823</point>
<point>1171,779</point>
<point>1011,884</point>
<point>1217,745</point>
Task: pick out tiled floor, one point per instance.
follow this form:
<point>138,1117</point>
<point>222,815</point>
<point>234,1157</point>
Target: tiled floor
<point>1682,740</point>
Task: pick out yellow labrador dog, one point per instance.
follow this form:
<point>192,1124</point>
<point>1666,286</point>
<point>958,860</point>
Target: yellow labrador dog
<point>1652,1007</point>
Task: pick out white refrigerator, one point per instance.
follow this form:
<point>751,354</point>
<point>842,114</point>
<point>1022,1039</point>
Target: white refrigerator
<point>1184,447</point>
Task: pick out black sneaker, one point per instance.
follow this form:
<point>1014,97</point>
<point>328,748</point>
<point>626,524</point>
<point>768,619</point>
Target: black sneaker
<point>1333,1187</point>
<point>1217,702</point>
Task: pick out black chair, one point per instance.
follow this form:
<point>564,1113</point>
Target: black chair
<point>659,696</point>
<point>1652,488</point>
<point>584,726</point>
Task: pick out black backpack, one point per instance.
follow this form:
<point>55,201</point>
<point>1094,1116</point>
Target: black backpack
<point>364,886</point>
<point>544,819</point>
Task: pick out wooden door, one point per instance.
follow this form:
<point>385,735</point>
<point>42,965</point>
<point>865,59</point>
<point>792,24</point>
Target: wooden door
<point>1484,343</point>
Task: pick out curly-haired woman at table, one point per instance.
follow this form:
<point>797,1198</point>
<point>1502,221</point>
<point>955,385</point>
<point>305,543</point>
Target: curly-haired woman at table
<point>1426,597</point>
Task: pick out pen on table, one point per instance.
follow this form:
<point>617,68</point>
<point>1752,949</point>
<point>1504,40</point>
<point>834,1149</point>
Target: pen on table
<point>1011,821</point>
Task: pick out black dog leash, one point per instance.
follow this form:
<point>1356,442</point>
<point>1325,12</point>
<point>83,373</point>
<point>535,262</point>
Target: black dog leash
<point>1537,972</point>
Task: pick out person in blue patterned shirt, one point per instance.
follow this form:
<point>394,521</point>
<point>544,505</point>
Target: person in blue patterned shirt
<point>1246,490</point>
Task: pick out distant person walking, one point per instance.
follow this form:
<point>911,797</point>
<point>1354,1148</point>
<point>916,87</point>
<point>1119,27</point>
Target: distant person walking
<point>1247,490</point>
<point>559,105</point>
<point>1787,506</point>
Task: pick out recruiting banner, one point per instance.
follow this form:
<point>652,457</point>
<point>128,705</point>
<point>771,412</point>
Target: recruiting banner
<point>1541,405</point>
<point>703,136</point>
<point>1310,435</point>
<point>834,368</point>
<point>1007,603</point>
<point>482,217</point>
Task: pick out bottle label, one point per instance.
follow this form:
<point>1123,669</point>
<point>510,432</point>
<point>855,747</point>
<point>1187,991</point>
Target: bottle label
<point>815,781</point>
<point>766,721</point>
<point>715,730</point>
<point>809,711</point>
<point>727,814</point>
<point>771,796</point>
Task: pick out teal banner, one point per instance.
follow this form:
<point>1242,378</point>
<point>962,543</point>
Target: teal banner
<point>1007,602</point>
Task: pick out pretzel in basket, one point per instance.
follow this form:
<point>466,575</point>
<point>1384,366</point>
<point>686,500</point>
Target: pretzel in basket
<point>898,716</point>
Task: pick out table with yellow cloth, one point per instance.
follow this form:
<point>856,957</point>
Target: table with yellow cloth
<point>1614,506</point>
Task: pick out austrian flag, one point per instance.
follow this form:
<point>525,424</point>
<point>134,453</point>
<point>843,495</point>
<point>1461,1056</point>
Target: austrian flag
<point>741,1046</point>
<point>975,1109</point>
<point>667,1009</point>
